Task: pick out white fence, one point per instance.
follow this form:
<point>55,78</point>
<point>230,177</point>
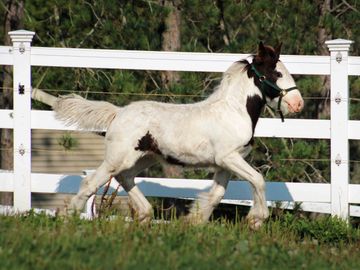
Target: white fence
<point>335,198</point>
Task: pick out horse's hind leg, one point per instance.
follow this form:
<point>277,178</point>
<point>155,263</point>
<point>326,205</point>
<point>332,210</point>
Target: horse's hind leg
<point>126,178</point>
<point>204,206</point>
<point>114,163</point>
<point>89,185</point>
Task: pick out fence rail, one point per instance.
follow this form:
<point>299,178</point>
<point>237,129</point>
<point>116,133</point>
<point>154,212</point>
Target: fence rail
<point>176,61</point>
<point>267,127</point>
<point>334,198</point>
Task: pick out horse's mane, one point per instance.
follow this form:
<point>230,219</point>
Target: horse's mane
<point>246,63</point>
<point>237,67</point>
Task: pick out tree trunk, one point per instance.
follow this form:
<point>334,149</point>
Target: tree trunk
<point>171,38</point>
<point>171,42</point>
<point>13,21</point>
<point>324,35</point>
<point>222,25</point>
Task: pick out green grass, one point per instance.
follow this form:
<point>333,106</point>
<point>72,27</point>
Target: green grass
<point>286,242</point>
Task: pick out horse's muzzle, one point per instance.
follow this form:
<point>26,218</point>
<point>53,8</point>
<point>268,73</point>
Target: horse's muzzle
<point>294,101</point>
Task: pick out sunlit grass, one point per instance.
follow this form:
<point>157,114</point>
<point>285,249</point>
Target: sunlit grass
<point>285,242</point>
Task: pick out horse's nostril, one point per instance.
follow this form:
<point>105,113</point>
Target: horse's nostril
<point>297,107</point>
<point>301,105</point>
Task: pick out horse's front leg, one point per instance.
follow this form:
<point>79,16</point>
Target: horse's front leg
<point>236,164</point>
<point>207,201</point>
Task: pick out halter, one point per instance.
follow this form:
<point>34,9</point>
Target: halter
<point>281,92</point>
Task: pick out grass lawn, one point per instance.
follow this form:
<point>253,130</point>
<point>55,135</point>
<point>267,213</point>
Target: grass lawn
<point>285,242</point>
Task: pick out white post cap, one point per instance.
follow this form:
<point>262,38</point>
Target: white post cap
<point>21,36</point>
<point>339,44</point>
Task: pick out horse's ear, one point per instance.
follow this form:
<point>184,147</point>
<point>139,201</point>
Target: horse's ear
<point>278,50</point>
<point>261,49</point>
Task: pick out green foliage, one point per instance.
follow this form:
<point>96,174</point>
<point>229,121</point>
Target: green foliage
<point>292,160</point>
<point>95,24</point>
<point>217,26</point>
<point>355,94</point>
<point>324,229</point>
<point>311,87</point>
<point>42,242</point>
<point>67,141</point>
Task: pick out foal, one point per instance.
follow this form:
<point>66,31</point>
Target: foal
<point>216,132</point>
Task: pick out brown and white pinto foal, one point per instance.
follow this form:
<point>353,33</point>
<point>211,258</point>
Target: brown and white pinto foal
<point>216,132</point>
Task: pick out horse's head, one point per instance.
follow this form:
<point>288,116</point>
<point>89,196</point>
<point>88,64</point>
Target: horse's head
<point>274,81</point>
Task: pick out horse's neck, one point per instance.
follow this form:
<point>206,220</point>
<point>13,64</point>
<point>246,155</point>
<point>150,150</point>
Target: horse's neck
<point>235,88</point>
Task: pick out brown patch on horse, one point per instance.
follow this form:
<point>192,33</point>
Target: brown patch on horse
<point>148,143</point>
<point>254,105</point>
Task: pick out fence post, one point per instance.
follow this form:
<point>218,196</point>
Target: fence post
<point>21,40</point>
<point>339,50</point>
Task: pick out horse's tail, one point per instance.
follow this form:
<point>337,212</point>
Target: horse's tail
<point>85,114</point>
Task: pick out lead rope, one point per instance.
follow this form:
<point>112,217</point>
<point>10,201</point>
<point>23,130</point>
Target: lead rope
<point>279,109</point>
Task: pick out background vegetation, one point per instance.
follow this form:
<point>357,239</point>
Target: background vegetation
<point>191,25</point>
<point>236,26</point>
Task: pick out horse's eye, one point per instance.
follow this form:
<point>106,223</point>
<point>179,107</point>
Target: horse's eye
<point>279,74</point>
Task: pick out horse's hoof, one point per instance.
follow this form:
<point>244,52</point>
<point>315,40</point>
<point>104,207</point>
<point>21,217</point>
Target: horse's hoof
<point>194,219</point>
<point>145,220</point>
<point>66,212</point>
<point>255,223</point>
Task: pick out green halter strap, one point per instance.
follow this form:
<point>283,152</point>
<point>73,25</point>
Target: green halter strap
<point>281,92</point>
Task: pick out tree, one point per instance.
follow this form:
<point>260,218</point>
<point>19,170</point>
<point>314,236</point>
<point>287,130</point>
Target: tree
<point>204,26</point>
<point>171,41</point>
<point>324,34</point>
<point>171,38</point>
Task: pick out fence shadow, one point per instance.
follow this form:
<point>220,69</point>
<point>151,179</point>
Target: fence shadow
<point>237,190</point>
<point>69,184</point>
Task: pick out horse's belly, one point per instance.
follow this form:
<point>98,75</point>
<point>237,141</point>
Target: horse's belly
<point>197,154</point>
